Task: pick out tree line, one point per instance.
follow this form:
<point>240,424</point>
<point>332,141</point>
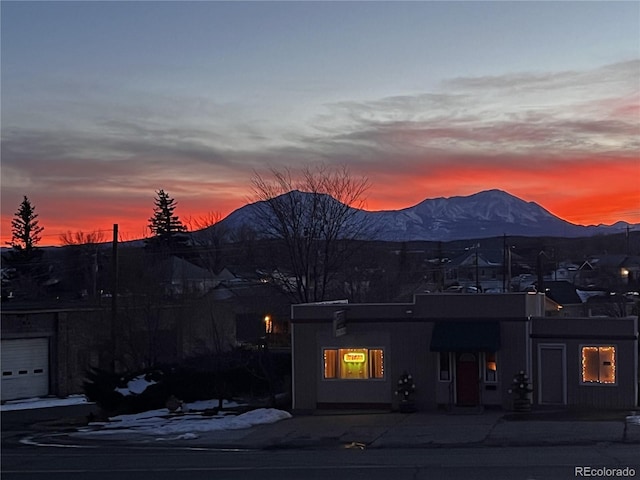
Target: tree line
<point>311,214</point>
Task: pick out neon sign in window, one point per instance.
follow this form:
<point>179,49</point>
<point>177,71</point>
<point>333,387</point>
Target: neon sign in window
<point>353,363</point>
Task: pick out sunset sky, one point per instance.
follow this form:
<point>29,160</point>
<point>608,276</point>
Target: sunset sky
<point>103,103</point>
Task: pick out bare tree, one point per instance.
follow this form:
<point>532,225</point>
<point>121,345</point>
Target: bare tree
<point>83,238</point>
<point>208,236</point>
<point>315,213</point>
<point>84,258</point>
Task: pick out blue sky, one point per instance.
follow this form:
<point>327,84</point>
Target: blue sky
<point>105,102</point>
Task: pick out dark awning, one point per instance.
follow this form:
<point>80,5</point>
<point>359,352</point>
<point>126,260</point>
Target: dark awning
<point>465,336</point>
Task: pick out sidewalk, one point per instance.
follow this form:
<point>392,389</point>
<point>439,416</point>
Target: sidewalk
<point>394,430</point>
<point>397,430</point>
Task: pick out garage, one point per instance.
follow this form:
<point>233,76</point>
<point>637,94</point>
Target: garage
<point>25,368</point>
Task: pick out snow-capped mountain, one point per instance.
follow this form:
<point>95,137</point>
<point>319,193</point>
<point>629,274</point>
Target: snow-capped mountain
<point>486,214</point>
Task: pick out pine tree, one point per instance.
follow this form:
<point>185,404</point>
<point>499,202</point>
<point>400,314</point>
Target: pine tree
<point>25,230</point>
<point>165,226</point>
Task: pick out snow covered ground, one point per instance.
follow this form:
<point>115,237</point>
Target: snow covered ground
<point>185,425</point>
<point>196,418</point>
<point>31,403</point>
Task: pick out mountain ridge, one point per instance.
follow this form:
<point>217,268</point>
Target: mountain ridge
<point>488,213</point>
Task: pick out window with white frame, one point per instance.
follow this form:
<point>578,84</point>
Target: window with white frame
<point>598,364</point>
<point>353,363</point>
<point>444,366</point>
<point>490,367</point>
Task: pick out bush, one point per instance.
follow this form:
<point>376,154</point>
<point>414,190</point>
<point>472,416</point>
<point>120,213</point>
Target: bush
<point>251,372</point>
<point>100,387</point>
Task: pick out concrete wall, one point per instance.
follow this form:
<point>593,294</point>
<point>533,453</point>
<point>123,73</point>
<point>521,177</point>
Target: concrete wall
<point>425,306</point>
<point>406,348</point>
<point>473,305</point>
<point>305,365</point>
<point>513,356</point>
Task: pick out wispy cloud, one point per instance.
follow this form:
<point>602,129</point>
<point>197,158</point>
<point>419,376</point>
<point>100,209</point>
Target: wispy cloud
<point>520,132</point>
<point>554,113</point>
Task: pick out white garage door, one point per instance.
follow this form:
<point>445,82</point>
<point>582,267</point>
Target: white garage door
<point>25,368</point>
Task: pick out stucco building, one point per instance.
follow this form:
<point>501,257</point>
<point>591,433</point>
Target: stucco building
<point>462,350</point>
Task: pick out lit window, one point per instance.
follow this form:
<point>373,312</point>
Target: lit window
<point>330,363</point>
<point>490,368</point>
<point>444,367</point>
<point>353,363</point>
<point>599,364</point>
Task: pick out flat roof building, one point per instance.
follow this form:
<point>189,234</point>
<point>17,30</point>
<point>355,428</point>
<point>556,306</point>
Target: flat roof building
<point>460,350</point>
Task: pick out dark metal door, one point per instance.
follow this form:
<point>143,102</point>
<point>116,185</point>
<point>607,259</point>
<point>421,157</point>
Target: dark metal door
<point>552,375</point>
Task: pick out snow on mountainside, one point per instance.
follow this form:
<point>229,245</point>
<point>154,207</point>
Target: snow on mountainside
<point>486,214</point>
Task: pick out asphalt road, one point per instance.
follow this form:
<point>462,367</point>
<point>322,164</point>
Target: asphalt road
<point>21,462</point>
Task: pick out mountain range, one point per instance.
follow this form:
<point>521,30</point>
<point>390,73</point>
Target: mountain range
<point>485,214</point>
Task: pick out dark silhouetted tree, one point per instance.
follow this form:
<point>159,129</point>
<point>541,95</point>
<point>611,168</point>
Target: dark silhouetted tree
<point>25,231</point>
<point>165,225</point>
<point>24,273</point>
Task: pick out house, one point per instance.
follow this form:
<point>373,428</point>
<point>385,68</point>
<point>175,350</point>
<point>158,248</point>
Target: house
<point>481,269</point>
<point>612,271</point>
<point>462,350</point>
<point>259,310</point>
<point>565,271</point>
<point>566,295</point>
<point>181,277</point>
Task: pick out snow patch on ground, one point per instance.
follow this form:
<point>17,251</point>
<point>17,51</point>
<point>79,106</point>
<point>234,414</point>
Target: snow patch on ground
<point>135,386</point>
<point>182,426</point>
<point>195,419</point>
<point>39,402</point>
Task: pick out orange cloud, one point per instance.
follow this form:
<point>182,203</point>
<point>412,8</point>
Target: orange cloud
<point>579,191</point>
<point>582,190</point>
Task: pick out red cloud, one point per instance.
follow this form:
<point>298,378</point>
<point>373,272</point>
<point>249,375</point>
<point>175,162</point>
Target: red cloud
<point>580,190</point>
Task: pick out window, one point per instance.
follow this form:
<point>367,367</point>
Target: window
<point>444,367</point>
<point>330,363</point>
<point>490,368</point>
<point>599,364</point>
<point>353,363</point>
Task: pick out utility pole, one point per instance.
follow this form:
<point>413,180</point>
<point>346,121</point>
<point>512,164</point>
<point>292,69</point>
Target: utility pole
<point>440,280</point>
<point>627,238</point>
<point>477,270</point>
<point>94,292</point>
<point>509,272</point>
<point>114,294</point>
<point>504,263</point>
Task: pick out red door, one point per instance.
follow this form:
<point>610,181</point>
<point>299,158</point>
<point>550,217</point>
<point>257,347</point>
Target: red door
<point>467,387</point>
